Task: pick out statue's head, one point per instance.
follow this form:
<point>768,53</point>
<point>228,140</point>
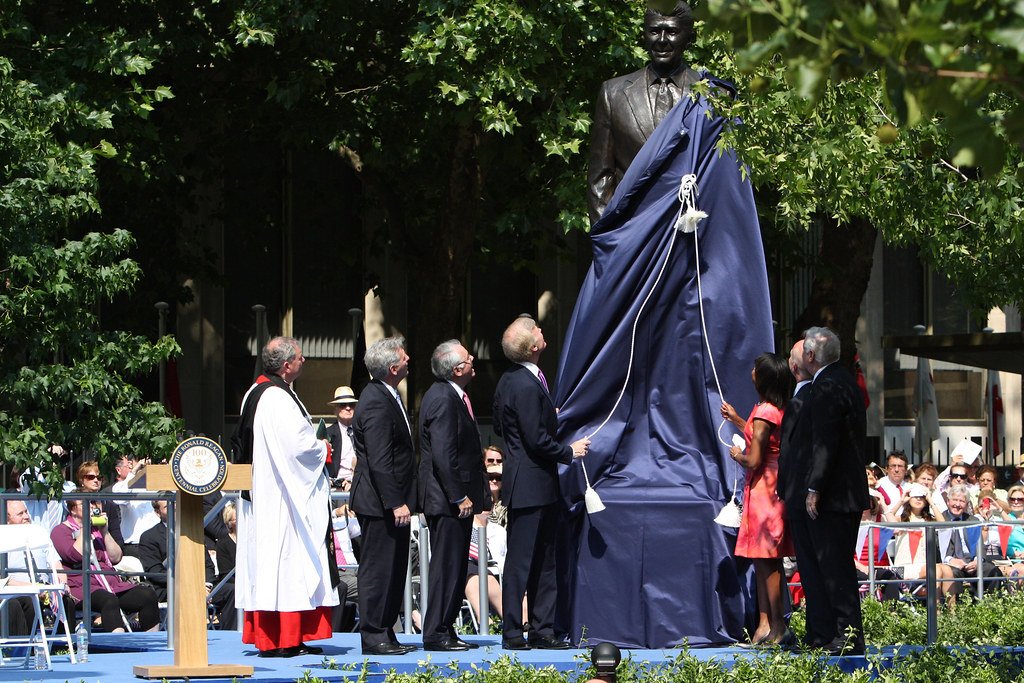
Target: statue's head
<point>667,35</point>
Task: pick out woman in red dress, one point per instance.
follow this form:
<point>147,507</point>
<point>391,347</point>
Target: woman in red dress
<point>763,536</point>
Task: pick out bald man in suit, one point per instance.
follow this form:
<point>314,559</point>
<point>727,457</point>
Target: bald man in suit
<point>524,416</point>
<point>825,491</point>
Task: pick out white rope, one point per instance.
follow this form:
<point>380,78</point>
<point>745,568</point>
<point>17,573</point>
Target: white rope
<point>687,220</point>
<point>704,329</point>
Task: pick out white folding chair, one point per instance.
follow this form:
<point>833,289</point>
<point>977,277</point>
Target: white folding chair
<point>25,538</point>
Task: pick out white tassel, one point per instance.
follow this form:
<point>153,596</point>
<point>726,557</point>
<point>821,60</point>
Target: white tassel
<point>591,500</point>
<point>731,513</point>
<point>689,214</point>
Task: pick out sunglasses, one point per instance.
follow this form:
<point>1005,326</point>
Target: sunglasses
<point>90,477</point>
<point>958,475</point>
<point>1017,500</point>
<point>494,477</point>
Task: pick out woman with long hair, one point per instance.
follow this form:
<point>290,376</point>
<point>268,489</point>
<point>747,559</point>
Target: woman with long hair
<point>909,554</point>
<point>762,535</point>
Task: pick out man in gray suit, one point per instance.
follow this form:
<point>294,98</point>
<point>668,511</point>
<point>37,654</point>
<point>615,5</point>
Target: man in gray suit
<point>630,107</point>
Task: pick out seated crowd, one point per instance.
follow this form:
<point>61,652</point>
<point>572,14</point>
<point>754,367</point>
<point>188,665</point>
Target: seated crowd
<point>128,542</point>
<point>128,590</point>
<point>962,492</point>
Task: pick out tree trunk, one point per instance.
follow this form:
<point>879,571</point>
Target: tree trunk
<point>841,275</point>
<point>442,266</point>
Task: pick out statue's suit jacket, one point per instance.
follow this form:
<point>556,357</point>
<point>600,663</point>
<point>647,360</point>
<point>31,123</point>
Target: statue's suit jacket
<point>623,120</point>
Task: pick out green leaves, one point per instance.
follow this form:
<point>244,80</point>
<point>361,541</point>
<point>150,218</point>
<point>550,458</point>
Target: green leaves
<point>63,379</point>
<point>939,58</point>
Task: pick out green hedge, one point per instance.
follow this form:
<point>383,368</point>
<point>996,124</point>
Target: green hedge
<point>929,665</point>
<point>960,656</point>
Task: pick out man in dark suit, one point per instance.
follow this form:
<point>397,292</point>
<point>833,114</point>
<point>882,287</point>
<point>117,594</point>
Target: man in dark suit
<point>826,470</point>
<point>452,488</point>
<point>524,417</point>
<point>383,496</point>
<point>343,453</point>
<point>153,555</point>
<point>792,482</point>
<point>630,107</point>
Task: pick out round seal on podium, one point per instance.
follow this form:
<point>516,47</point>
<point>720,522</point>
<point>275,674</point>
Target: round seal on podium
<point>199,465</point>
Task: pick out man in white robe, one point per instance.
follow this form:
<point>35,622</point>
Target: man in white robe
<point>284,566</point>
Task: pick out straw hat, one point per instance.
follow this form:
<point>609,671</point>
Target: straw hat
<point>343,396</point>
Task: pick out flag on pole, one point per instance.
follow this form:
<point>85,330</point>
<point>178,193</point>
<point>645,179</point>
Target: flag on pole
<point>994,412</point>
<point>926,410</point>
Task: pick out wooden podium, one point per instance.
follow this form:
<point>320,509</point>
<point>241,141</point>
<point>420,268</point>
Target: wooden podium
<point>191,656</point>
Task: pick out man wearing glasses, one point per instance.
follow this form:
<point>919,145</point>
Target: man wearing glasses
<point>957,474</point>
<point>451,489</point>
<point>958,548</point>
<point>891,485</point>
<point>343,450</point>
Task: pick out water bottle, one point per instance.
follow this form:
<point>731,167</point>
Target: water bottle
<point>82,638</point>
<point>41,658</point>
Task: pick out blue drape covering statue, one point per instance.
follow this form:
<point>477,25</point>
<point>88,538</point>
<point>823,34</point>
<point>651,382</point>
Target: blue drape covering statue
<point>653,570</point>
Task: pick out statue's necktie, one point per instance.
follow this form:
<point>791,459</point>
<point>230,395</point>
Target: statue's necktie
<point>663,101</point>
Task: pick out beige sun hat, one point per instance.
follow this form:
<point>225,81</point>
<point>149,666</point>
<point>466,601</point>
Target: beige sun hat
<point>344,395</point>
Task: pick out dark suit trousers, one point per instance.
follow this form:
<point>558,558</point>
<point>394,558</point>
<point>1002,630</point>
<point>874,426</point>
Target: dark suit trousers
<point>530,570</point>
<point>382,569</point>
<point>446,587</point>
<point>991,573</point>
<point>825,549</point>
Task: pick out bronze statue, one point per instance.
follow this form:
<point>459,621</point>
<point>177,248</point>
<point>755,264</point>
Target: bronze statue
<point>630,107</point>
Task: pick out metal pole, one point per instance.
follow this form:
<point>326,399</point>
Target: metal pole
<point>481,572</point>
<point>86,566</point>
<point>172,553</point>
<point>261,316</point>
<point>871,559</point>
<point>931,554</point>
<point>424,543</point>
<point>407,605</point>
<point>161,308</point>
<point>979,554</point>
<point>357,323</point>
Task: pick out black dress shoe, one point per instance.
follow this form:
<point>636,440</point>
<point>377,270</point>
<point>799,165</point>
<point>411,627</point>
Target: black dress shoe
<point>514,643</point>
<point>469,645</point>
<point>304,649</point>
<point>548,643</point>
<point>842,647</point>
<point>384,649</point>
<point>447,645</point>
<point>276,652</point>
<point>405,648</point>
<point>788,642</point>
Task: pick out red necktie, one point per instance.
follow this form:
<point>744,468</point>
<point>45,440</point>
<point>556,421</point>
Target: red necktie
<point>469,406</point>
